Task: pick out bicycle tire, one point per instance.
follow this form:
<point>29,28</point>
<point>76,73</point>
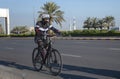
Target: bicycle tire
<point>37,59</point>
<point>55,62</point>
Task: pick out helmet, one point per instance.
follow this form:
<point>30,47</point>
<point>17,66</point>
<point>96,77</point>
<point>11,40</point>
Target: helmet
<point>45,16</point>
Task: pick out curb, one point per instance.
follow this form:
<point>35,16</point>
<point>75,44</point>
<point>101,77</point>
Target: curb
<point>88,38</point>
<point>66,38</point>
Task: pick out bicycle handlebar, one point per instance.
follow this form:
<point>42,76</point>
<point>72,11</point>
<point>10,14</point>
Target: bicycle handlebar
<point>48,35</point>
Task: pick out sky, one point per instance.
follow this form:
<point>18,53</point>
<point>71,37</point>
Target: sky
<point>23,12</point>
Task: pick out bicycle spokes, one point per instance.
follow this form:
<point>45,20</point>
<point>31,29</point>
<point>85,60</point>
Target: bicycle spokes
<point>55,62</point>
<point>37,59</point>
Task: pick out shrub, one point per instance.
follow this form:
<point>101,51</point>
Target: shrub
<point>75,33</point>
<point>91,33</point>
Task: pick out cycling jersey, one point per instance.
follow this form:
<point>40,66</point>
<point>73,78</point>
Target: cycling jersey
<point>40,27</point>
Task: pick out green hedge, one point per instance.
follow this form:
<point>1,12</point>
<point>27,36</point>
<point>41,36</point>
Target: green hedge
<point>75,33</point>
<point>78,33</point>
<point>3,35</point>
<point>18,35</point>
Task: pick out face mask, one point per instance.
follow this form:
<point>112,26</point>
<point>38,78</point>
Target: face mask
<point>46,19</point>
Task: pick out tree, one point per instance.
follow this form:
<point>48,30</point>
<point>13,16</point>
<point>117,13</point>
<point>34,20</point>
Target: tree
<point>87,23</point>
<point>56,15</point>
<point>109,20</point>
<point>106,22</point>
<point>19,29</point>
<point>100,23</point>
<point>94,23</point>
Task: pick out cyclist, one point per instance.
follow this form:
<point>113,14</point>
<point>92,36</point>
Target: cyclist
<point>44,23</point>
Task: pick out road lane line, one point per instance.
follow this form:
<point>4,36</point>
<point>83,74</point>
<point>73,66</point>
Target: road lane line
<point>9,48</point>
<point>115,49</point>
<point>69,55</point>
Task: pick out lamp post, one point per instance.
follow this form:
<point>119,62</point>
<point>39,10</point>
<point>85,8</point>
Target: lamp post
<point>74,23</point>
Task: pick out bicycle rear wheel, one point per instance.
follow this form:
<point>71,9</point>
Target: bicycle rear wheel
<point>55,62</point>
<point>37,59</point>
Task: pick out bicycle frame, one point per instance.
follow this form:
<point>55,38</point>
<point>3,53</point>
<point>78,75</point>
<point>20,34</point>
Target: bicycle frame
<point>49,47</point>
<point>47,54</point>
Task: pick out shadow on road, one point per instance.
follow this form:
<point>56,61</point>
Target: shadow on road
<point>14,65</point>
<point>72,76</point>
<point>68,68</point>
<point>102,72</point>
<point>20,67</point>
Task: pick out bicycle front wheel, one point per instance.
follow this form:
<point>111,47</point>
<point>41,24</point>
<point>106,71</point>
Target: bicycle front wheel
<point>37,59</point>
<point>55,62</point>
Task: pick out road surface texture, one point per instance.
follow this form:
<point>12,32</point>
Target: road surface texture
<point>82,59</point>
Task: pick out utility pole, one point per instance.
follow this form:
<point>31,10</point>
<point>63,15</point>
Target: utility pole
<point>34,21</point>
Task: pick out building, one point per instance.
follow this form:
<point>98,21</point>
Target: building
<point>4,13</point>
<point>31,29</point>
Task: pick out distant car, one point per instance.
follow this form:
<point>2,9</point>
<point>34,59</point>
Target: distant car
<point>115,28</point>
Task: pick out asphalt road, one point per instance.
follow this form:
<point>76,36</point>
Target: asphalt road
<point>82,59</point>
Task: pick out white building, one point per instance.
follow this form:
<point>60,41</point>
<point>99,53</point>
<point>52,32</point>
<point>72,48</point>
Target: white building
<point>4,13</point>
<point>31,28</point>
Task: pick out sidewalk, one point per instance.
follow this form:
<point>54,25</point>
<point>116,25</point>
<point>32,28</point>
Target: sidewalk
<point>8,73</point>
<point>14,73</point>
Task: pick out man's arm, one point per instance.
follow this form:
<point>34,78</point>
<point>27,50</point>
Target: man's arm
<point>37,27</point>
<point>55,30</point>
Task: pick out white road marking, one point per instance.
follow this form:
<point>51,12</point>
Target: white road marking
<point>114,48</point>
<point>69,55</point>
<point>82,42</point>
<point>9,48</point>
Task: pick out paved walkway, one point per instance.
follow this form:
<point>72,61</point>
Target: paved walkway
<point>9,73</point>
<point>14,73</point>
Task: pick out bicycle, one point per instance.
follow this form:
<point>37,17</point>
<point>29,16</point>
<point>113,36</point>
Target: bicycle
<point>46,55</point>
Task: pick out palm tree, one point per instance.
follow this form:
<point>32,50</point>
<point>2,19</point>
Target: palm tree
<point>100,23</point>
<point>56,15</point>
<point>109,20</point>
<point>87,23</point>
<point>94,23</point>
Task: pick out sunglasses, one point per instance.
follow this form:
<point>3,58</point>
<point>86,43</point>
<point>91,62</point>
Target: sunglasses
<point>46,18</point>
